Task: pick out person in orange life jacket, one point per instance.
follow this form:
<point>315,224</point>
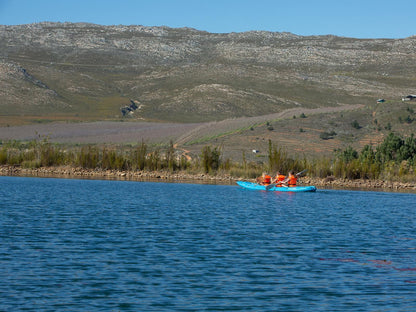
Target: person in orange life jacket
<point>279,178</point>
<point>291,179</point>
<point>265,179</point>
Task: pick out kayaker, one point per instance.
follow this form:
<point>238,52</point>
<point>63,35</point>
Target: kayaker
<point>279,178</point>
<point>265,179</point>
<point>291,179</point>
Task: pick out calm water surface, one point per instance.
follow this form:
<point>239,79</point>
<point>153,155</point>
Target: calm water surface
<point>83,245</point>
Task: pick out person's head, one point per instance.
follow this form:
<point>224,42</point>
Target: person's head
<point>263,174</point>
<point>291,172</point>
<point>277,173</point>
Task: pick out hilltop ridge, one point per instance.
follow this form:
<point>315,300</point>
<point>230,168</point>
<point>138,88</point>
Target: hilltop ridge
<point>182,74</point>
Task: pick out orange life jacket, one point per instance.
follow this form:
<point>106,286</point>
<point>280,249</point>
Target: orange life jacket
<point>280,178</point>
<point>292,180</point>
<point>267,179</point>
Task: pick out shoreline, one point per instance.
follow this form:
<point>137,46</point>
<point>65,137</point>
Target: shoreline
<point>166,176</point>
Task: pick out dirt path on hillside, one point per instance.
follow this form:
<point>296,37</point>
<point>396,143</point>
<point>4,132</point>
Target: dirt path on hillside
<point>185,153</point>
<point>230,126</point>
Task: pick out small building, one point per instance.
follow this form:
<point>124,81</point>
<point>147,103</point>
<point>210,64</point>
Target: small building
<point>410,97</point>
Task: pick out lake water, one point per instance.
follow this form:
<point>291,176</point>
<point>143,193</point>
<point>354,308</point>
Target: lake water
<point>86,245</point>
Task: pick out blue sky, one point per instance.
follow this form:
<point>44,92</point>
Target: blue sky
<point>350,18</point>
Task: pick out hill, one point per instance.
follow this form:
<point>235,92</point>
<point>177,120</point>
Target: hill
<point>86,72</point>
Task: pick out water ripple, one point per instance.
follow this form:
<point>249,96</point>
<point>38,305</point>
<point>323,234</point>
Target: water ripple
<point>84,245</point>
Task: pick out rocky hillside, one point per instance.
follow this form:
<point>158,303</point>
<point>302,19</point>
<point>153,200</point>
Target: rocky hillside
<point>85,71</point>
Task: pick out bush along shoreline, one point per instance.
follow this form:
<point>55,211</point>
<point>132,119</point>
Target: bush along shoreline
<point>390,165</point>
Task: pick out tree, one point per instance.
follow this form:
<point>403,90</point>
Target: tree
<point>367,154</point>
<point>369,168</point>
<point>210,159</point>
<point>408,149</point>
<point>389,148</point>
<point>170,157</point>
<point>348,154</point>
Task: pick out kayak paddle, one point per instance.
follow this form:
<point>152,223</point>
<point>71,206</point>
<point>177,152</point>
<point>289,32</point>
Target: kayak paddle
<point>301,174</point>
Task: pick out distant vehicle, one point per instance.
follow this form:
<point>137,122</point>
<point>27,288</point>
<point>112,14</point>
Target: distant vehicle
<point>381,100</point>
<point>410,97</point>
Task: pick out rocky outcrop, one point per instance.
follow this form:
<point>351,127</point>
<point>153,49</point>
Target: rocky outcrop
<point>17,71</point>
<point>34,80</point>
<point>129,109</point>
<point>22,93</point>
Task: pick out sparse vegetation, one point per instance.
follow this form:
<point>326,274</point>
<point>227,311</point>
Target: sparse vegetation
<point>355,124</point>
<point>196,80</point>
<point>237,92</point>
<point>210,159</point>
<point>41,153</point>
<point>393,159</point>
<point>327,135</point>
<point>279,160</point>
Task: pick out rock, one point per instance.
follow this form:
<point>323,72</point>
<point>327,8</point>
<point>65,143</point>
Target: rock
<point>329,179</point>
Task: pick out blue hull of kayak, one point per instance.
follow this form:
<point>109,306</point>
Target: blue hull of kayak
<point>258,187</point>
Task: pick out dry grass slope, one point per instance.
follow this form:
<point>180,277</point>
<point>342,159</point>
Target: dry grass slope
<point>234,90</point>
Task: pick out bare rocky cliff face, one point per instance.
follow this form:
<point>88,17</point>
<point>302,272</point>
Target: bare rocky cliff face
<point>189,75</point>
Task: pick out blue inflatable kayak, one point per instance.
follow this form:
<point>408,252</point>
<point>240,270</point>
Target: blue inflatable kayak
<point>258,187</point>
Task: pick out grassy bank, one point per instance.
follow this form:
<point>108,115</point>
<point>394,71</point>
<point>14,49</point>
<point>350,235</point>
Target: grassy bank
<point>394,160</point>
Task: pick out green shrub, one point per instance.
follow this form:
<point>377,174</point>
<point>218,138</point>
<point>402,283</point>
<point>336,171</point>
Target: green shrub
<point>31,164</point>
<point>170,161</point>
<point>88,157</point>
<point>153,161</point>
<point>392,159</point>
<point>355,124</point>
<point>3,156</point>
<point>320,167</point>
<point>325,136</point>
<point>210,159</point>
